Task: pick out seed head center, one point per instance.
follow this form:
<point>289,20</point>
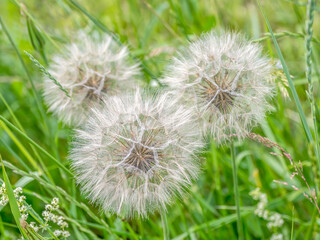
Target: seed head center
<point>141,157</point>
<point>217,93</point>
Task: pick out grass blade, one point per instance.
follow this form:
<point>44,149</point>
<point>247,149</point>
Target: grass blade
<point>37,97</point>
<point>311,98</point>
<point>37,146</point>
<point>20,146</point>
<point>12,200</point>
<point>291,85</point>
<point>236,192</point>
<point>45,72</point>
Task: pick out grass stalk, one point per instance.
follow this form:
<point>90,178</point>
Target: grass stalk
<point>290,82</point>
<point>286,34</point>
<point>165,226</point>
<point>37,97</point>
<point>236,191</point>
<point>308,39</point>
<point>36,145</point>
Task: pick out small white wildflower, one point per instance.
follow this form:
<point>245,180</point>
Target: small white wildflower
<point>24,216</point>
<point>17,192</point>
<point>259,212</point>
<point>263,198</point>
<point>136,153</point>
<point>90,69</point>
<point>34,226</point>
<point>45,215</point>
<point>265,214</point>
<point>227,79</point>
<point>62,224</point>
<point>276,236</point>
<point>57,233</point>
<point>23,209</point>
<point>3,189</point>
<point>65,234</point>
<point>4,200</point>
<point>21,199</point>
<point>55,201</point>
<point>53,217</point>
<point>275,220</point>
<point>48,207</point>
<point>255,194</point>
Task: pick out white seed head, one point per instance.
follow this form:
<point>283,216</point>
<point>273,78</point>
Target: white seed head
<point>88,70</point>
<point>227,78</point>
<point>137,153</point>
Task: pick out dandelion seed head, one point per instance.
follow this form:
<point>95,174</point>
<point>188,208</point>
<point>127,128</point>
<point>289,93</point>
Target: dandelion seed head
<point>136,153</point>
<point>227,78</point>
<point>89,69</point>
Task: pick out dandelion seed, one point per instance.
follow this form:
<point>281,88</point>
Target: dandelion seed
<point>137,153</point>
<point>227,78</point>
<point>89,70</point>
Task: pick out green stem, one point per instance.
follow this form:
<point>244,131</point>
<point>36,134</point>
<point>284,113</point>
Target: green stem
<point>165,226</point>
<point>311,98</point>
<point>236,191</point>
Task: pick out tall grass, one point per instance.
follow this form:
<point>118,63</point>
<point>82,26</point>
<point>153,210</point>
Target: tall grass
<point>34,145</point>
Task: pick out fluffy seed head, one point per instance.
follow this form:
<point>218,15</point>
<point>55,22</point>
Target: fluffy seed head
<point>88,70</point>
<point>228,80</point>
<point>137,153</point>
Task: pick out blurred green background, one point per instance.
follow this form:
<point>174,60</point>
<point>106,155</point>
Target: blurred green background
<point>154,30</point>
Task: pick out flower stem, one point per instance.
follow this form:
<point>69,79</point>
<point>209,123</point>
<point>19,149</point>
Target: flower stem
<point>236,191</point>
<point>165,226</point>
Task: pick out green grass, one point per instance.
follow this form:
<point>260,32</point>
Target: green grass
<point>34,145</point>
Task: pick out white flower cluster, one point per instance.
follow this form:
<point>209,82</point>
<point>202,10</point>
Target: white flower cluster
<point>276,236</point>
<point>20,200</point>
<point>61,233</point>
<point>48,215</point>
<point>274,219</point>
<point>34,226</point>
<point>4,197</point>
